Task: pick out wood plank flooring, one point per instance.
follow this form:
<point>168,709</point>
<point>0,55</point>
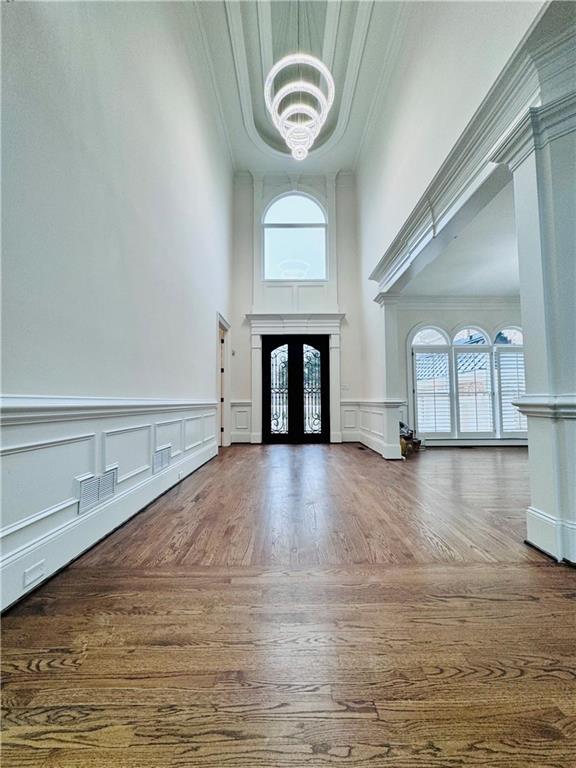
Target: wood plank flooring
<point>304,607</point>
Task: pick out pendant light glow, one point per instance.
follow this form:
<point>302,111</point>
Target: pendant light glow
<point>299,134</point>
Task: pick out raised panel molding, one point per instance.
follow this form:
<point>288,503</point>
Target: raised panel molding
<point>50,443</point>
<point>241,421</point>
<point>373,423</point>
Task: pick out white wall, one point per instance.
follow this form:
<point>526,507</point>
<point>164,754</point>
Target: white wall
<point>117,193</point>
<point>117,202</point>
<point>452,55</point>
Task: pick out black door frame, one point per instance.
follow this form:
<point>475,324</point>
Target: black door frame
<point>295,388</point>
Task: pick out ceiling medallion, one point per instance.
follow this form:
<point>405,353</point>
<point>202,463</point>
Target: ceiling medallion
<point>300,122</point>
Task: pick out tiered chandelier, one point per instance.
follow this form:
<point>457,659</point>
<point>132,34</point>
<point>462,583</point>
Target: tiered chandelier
<point>299,122</point>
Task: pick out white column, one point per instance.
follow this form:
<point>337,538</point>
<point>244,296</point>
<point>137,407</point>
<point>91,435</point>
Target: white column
<point>541,153</point>
<point>256,352</point>
<point>335,411</point>
<point>393,401</point>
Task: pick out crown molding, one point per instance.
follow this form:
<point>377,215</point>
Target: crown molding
<point>465,169</point>
<point>538,127</point>
<point>447,302</point>
<point>513,101</point>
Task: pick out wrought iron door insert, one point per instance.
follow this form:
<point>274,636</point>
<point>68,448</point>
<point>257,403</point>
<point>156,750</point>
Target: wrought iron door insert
<point>295,389</point>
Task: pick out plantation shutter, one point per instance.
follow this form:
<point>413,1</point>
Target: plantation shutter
<point>432,392</point>
<point>511,385</point>
<point>474,392</point>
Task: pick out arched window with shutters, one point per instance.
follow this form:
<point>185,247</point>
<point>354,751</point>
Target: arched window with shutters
<point>509,365</point>
<point>464,386</point>
<point>474,382</point>
<point>432,382</point>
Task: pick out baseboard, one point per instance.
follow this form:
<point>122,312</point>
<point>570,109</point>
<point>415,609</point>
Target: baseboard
<point>389,451</point>
<point>472,443</point>
<point>240,437</point>
<point>49,553</point>
<point>553,536</point>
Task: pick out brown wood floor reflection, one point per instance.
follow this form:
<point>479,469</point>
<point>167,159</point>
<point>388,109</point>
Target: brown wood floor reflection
<point>305,606</point>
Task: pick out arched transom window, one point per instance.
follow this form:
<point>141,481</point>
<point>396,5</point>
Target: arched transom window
<point>466,387</point>
<point>295,239</point>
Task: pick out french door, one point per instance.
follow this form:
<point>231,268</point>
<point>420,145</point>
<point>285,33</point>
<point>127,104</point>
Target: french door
<point>295,389</point>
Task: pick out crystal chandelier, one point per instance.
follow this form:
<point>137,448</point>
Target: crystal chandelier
<point>300,122</point>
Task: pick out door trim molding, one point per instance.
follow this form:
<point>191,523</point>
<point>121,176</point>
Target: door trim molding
<point>320,324</point>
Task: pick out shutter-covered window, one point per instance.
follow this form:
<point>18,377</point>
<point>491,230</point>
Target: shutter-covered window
<point>474,391</point>
<point>511,381</point>
<point>432,380</point>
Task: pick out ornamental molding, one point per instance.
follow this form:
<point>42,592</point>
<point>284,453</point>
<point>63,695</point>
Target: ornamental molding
<point>465,169</point>
<point>281,324</point>
<point>538,127</point>
<point>547,406</point>
<point>447,302</point>
<point>538,68</point>
<point>30,409</point>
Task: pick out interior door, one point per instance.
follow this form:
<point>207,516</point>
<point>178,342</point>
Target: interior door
<point>295,389</point>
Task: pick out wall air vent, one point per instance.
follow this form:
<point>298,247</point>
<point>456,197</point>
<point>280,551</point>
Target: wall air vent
<point>88,496</point>
<point>95,489</point>
<point>107,485</point>
<point>161,458</point>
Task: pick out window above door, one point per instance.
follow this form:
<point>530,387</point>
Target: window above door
<point>294,239</point>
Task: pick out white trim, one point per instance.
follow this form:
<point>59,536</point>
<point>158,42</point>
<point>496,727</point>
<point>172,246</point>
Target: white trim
<point>295,323</point>
<point>547,406</point>
<point>537,128</point>
<point>467,166</point>
<point>31,409</point>
<point>321,324</point>
<point>550,534</point>
<point>58,547</point>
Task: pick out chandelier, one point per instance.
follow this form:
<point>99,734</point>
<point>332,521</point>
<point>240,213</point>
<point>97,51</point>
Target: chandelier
<point>300,122</point>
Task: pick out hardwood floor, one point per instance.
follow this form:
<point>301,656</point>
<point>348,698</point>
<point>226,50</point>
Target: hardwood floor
<point>305,606</point>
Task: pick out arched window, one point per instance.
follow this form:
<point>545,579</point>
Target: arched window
<point>512,336</point>
<point>295,239</point>
<point>509,364</point>
<point>432,389</point>
<point>467,388</point>
<point>429,337</point>
<point>470,336</point>
<point>474,383</point>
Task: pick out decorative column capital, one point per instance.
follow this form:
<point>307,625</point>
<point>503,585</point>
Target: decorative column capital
<point>538,127</point>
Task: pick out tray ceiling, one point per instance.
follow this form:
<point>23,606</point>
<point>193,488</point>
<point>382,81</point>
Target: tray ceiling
<point>358,41</point>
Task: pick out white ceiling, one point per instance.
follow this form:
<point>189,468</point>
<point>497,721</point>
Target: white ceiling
<point>481,261</point>
<point>357,40</point>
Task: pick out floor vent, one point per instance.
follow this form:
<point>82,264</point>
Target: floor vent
<point>161,458</point>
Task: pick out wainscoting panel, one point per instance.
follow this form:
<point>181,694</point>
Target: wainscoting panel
<point>51,444</point>
<point>375,424</point>
<point>241,421</point>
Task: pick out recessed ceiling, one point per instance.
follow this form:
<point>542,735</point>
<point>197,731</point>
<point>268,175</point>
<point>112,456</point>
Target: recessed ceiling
<point>358,41</point>
<point>481,261</point>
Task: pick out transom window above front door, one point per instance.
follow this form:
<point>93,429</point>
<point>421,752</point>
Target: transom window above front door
<point>295,239</point>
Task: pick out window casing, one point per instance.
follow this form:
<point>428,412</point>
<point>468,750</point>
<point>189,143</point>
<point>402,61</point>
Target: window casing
<point>295,240</point>
<point>464,387</point>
